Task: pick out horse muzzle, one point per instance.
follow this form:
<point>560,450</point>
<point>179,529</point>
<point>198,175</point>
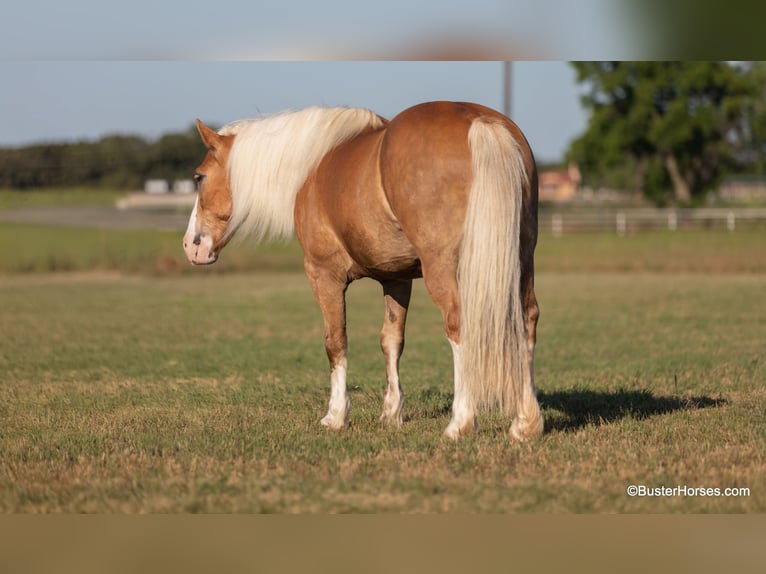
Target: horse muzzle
<point>199,249</point>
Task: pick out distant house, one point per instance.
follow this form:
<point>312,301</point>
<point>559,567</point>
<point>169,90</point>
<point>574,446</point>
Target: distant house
<point>559,185</point>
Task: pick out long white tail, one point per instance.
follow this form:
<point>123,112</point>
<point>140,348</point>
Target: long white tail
<point>493,336</point>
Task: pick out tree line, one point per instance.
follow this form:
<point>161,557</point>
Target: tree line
<point>670,131</point>
<point>114,161</point>
<point>665,131</point>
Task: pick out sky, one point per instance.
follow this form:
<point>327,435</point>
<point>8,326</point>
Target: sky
<point>308,29</point>
<point>82,69</point>
<point>70,100</point>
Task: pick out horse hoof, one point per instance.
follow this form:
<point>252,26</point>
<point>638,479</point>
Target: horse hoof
<point>394,420</point>
<point>332,423</point>
<point>454,431</point>
<point>522,431</point>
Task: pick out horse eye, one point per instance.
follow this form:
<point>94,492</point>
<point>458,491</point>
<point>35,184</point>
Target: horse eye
<point>198,177</point>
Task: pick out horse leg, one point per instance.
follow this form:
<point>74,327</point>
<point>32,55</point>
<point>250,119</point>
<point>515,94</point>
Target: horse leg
<point>331,296</point>
<point>441,282</point>
<point>528,422</point>
<point>396,295</point>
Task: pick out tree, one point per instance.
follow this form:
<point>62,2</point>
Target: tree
<point>677,123</point>
<point>176,155</point>
<point>752,151</point>
<point>115,161</point>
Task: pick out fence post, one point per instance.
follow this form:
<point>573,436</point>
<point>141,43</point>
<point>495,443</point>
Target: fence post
<point>673,220</point>
<point>621,224</point>
<point>731,221</point>
<point>557,225</point>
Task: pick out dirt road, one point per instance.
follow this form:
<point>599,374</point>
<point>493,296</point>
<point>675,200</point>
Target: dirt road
<point>103,217</point>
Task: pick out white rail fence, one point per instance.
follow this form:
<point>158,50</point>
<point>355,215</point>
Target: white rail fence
<point>634,220</point>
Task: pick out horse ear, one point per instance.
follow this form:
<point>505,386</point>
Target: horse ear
<point>210,138</point>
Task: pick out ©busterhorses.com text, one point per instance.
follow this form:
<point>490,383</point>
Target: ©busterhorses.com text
<point>683,490</point>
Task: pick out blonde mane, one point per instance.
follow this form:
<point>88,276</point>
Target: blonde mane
<point>272,157</point>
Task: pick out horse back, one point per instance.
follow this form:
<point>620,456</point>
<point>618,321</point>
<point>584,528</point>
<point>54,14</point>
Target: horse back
<point>426,172</point>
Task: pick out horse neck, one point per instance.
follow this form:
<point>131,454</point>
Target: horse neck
<point>272,158</point>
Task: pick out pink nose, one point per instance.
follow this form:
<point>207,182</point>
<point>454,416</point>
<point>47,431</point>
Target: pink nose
<point>198,249</point>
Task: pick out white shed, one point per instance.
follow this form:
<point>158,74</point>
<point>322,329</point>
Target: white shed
<point>156,186</point>
<point>184,186</point>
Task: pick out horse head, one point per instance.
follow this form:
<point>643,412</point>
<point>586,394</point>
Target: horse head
<point>207,233</point>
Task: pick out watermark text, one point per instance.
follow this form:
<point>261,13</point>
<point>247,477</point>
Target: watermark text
<point>683,490</point>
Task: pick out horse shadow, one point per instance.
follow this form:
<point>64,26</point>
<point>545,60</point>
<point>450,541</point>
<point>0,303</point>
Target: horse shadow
<point>572,409</point>
<point>578,408</point>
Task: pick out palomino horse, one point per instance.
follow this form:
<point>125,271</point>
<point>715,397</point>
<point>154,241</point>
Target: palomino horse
<point>444,191</point>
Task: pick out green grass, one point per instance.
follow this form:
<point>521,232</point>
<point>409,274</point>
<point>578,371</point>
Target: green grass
<point>202,393</point>
<point>692,251</point>
<point>40,248</point>
<point>142,384</point>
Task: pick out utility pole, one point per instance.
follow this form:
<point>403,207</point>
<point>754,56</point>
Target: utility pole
<point>507,88</point>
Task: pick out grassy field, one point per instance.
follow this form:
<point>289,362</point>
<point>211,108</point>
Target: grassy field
<point>45,249</point>
<point>134,383</point>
